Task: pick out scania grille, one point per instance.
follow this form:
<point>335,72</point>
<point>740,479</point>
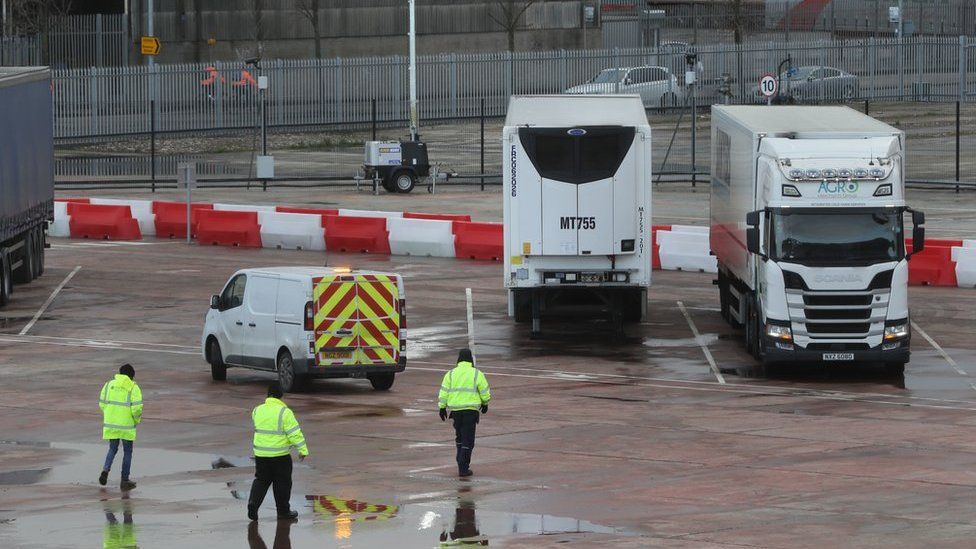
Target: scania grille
<point>837,315</point>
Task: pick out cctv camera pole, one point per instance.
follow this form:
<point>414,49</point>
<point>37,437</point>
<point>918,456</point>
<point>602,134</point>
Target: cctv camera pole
<point>414,118</point>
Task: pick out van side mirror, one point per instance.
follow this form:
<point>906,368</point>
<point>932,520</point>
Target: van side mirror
<point>215,302</point>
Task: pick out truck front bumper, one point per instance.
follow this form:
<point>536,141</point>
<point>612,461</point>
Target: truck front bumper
<point>874,354</point>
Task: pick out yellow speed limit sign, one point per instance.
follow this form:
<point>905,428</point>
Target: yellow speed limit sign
<point>150,45</point>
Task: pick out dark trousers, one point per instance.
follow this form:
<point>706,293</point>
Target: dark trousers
<point>113,448</point>
<point>465,423</point>
<point>270,471</point>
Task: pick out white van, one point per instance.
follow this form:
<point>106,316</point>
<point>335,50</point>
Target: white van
<point>308,322</point>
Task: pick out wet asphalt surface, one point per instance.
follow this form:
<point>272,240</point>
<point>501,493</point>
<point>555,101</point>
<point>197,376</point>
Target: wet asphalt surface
<point>590,439</point>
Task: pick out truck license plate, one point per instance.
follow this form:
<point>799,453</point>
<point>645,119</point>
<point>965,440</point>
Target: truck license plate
<point>838,356</point>
<point>337,354</point>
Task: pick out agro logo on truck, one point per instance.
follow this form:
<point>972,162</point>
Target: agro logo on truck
<point>514,172</point>
<point>838,188</point>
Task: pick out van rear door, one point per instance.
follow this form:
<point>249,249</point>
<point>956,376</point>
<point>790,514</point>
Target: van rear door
<point>357,320</point>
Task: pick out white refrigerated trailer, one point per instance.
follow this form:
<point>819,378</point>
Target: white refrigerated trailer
<point>807,224</point>
<point>577,192</point>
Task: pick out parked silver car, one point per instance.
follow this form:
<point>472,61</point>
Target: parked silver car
<point>657,86</point>
<point>811,84</point>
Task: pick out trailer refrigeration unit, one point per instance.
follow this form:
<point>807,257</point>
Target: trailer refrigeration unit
<point>807,224</point>
<point>26,174</point>
<point>577,192</point>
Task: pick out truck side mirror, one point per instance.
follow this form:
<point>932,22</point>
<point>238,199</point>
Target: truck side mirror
<point>752,233</point>
<point>752,219</point>
<point>215,302</point>
<point>752,240</point>
<point>918,232</point>
<point>918,240</point>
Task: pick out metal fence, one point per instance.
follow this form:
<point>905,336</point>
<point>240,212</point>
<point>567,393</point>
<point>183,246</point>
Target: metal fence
<point>19,51</point>
<point>339,92</point>
<point>81,41</point>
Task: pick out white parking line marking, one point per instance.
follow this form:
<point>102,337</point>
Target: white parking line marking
<point>941,351</point>
<point>701,343</point>
<point>50,300</point>
<point>749,390</point>
<point>467,298</point>
<point>103,345</point>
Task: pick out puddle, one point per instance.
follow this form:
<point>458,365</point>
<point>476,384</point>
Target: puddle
<point>706,339</point>
<point>80,462</point>
<point>200,512</point>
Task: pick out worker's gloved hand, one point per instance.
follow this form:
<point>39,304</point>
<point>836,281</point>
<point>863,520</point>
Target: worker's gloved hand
<point>443,413</point>
<point>301,457</point>
<point>484,408</point>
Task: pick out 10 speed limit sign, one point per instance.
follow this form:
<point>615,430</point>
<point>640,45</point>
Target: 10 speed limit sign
<point>768,85</point>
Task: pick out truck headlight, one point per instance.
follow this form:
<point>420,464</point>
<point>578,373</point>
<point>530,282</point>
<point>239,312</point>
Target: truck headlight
<point>896,332</point>
<point>782,333</point>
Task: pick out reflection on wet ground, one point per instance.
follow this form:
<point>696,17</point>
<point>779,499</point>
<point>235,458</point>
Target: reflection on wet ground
<point>163,512</point>
<point>324,521</point>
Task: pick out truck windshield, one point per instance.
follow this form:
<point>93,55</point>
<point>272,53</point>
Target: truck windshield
<point>837,238</point>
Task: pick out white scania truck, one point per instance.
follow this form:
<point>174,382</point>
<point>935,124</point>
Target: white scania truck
<point>807,224</point>
<point>577,192</point>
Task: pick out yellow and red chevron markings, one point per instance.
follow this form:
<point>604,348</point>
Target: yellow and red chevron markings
<point>357,320</point>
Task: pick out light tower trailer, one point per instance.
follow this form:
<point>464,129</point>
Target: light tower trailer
<point>397,164</point>
<point>807,224</point>
<point>577,207</point>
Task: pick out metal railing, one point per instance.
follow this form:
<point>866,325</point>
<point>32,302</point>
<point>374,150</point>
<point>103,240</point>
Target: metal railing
<point>19,51</point>
<point>115,101</point>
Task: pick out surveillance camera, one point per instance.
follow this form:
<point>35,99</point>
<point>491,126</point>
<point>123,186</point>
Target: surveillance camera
<point>252,61</point>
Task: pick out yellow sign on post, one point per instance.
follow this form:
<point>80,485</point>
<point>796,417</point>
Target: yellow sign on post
<point>150,45</point>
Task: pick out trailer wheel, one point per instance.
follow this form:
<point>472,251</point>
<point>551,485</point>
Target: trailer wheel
<point>38,252</point>
<point>523,306</point>
<point>23,274</point>
<point>382,381</point>
<point>723,296</point>
<point>404,181</point>
<point>41,243</point>
<point>6,284</point>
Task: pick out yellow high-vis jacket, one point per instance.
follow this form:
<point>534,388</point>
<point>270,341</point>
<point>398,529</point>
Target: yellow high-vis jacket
<point>121,404</point>
<point>276,430</point>
<point>464,388</point>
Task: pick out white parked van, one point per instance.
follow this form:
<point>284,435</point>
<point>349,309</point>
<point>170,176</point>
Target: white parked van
<point>308,322</point>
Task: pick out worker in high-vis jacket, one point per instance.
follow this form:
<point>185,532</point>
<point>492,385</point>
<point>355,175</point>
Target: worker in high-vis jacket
<point>121,404</point>
<point>464,393</point>
<point>276,432</point>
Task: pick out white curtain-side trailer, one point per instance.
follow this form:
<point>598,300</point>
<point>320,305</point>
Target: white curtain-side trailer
<point>577,206</point>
